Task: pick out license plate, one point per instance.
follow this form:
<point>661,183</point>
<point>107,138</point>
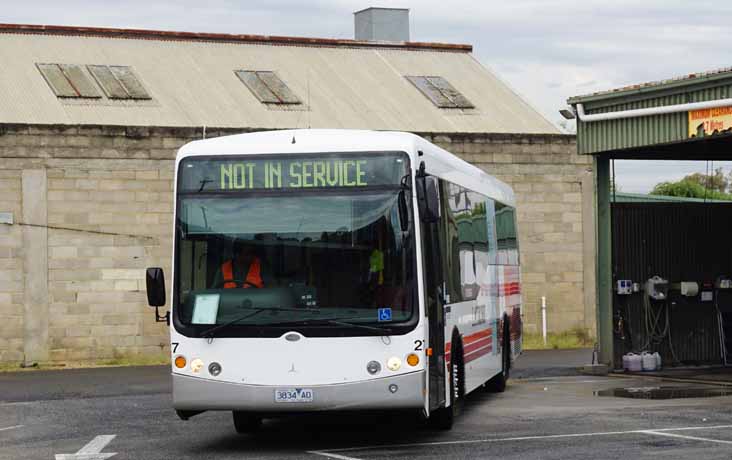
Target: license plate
<point>294,395</point>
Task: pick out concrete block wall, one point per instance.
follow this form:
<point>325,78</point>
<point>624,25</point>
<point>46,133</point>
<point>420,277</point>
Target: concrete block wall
<point>555,200</point>
<point>92,208</point>
<point>11,269</point>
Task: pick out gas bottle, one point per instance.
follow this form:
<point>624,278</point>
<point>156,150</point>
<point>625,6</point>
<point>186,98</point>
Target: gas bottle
<point>648,361</point>
<point>658,360</point>
<point>626,361</point>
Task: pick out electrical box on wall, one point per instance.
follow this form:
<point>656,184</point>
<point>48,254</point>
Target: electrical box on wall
<point>624,287</point>
<point>657,288</point>
<point>689,288</point>
<point>723,283</point>
<point>707,292</point>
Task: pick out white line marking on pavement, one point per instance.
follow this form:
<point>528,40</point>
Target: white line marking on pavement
<point>693,438</point>
<point>519,438</point>
<point>92,450</point>
<point>331,455</point>
<point>11,427</point>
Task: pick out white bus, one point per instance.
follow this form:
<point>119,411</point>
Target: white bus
<point>330,270</point>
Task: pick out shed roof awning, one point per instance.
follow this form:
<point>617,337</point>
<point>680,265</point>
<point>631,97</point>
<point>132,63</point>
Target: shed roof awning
<point>634,120</point>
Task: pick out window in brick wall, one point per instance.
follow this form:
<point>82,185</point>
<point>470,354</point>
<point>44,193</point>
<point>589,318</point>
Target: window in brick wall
<point>118,82</point>
<point>267,87</point>
<point>440,92</point>
<point>69,81</point>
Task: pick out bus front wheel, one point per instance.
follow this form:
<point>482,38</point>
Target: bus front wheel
<point>245,422</point>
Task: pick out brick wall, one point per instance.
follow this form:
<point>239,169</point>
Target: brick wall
<point>108,212</point>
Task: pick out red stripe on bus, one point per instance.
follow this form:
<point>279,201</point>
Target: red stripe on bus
<point>468,339</point>
<point>478,344</point>
<point>477,335</point>
<point>477,354</point>
<point>472,342</point>
<point>511,288</point>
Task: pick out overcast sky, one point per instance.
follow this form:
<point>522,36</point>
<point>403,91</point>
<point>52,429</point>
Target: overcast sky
<point>546,50</point>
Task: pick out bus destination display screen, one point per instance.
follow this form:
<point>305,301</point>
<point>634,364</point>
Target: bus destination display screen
<point>244,173</point>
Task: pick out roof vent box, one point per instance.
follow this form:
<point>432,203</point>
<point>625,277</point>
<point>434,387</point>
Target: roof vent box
<point>382,24</point>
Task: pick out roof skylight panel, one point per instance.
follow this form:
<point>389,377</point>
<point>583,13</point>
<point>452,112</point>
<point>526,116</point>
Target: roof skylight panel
<point>267,87</point>
<point>118,82</point>
<point>68,81</point>
<point>440,92</point>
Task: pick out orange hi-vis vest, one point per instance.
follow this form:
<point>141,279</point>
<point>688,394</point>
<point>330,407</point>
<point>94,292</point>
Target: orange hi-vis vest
<point>254,276</point>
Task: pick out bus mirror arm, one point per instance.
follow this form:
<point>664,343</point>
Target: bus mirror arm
<point>155,284</point>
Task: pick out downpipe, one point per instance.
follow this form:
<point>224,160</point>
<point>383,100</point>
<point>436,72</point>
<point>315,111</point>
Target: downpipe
<point>635,113</point>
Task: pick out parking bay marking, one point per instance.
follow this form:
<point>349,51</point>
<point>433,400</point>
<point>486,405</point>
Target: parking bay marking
<point>91,451</point>
<point>692,438</point>
<point>332,453</point>
<point>11,427</point>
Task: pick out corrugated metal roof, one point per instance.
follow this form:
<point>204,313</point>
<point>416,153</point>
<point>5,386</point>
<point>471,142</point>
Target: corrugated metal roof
<point>690,79</point>
<point>191,79</point>
<point>661,129</point>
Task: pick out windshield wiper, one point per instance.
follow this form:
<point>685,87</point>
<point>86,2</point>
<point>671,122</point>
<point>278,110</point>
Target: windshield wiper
<point>210,331</point>
<point>335,322</point>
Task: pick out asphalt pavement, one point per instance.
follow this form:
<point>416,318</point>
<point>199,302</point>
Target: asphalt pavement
<point>127,411</point>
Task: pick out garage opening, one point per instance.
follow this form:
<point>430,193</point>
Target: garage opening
<point>663,267</point>
<point>672,265</point>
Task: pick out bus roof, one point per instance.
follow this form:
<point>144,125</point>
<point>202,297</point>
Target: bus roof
<point>438,162</point>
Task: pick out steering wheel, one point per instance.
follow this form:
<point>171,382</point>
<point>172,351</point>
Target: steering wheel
<point>245,284</point>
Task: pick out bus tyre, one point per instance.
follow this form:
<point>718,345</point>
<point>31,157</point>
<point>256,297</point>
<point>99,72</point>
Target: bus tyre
<point>245,422</point>
<point>498,383</point>
<point>444,418</point>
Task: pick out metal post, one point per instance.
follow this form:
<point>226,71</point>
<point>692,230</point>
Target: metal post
<point>543,318</point>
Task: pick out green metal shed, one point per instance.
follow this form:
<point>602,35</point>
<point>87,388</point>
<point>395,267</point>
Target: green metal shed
<point>686,118</point>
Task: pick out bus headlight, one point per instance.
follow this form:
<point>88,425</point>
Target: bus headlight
<point>373,367</point>
<point>180,362</point>
<point>412,359</point>
<point>214,369</point>
<point>196,365</point>
<point>394,363</point>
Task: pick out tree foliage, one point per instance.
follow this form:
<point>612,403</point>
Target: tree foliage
<point>716,181</point>
<point>689,187</point>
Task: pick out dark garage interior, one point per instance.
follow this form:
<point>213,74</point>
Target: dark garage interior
<point>677,242</point>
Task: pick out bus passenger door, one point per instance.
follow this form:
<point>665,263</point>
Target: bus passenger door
<point>428,196</point>
<point>434,298</point>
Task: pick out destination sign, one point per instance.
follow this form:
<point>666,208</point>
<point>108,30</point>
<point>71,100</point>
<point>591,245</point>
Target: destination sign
<point>252,173</point>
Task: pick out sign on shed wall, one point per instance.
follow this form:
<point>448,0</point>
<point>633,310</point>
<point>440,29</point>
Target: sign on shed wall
<point>709,121</point>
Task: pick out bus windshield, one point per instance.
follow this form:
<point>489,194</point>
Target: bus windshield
<point>330,258</point>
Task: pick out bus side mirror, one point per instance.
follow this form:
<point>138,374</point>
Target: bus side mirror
<point>428,199</point>
<point>155,283</point>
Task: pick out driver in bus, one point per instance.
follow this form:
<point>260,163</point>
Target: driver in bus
<point>244,270</point>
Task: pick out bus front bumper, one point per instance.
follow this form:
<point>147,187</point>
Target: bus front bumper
<point>197,394</point>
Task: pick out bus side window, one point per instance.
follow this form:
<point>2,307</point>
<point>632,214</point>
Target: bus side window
<point>506,235</point>
<point>450,243</point>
